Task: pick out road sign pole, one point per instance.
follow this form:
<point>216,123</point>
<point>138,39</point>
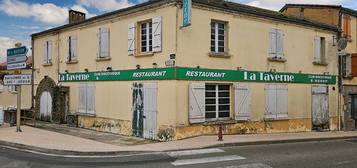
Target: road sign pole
<point>18,113</point>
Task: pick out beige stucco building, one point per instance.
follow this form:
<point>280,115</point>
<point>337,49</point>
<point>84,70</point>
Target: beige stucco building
<point>346,20</point>
<point>138,71</point>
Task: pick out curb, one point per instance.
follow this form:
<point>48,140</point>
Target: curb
<point>270,142</point>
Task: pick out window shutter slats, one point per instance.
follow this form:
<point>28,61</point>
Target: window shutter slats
<point>73,48</point>
<point>131,39</point>
<point>272,35</point>
<point>157,26</point>
<point>45,53</point>
<point>150,110</point>
<point>104,42</point>
<point>282,101</point>
<point>242,102</point>
<point>317,57</point>
<point>270,101</point>
<point>49,54</point>
<point>82,98</point>
<point>197,102</point>
<point>280,44</point>
<point>90,102</point>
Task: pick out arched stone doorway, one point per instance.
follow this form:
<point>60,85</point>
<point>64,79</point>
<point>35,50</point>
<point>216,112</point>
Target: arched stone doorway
<point>46,106</point>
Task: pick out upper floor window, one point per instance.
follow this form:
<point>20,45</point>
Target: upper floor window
<point>276,44</point>
<point>320,54</point>
<point>149,35</point>
<point>72,49</point>
<point>347,27</point>
<point>47,54</point>
<point>104,42</point>
<point>218,37</point>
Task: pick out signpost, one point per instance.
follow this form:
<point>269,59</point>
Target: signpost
<point>16,60</point>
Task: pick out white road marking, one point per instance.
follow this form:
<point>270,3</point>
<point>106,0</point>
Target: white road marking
<point>194,152</point>
<point>206,160</point>
<point>252,165</point>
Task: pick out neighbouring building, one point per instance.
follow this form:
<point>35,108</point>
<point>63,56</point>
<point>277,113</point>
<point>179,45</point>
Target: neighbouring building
<point>346,20</point>
<point>8,94</point>
<point>137,71</point>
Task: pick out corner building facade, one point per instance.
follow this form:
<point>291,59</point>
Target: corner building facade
<point>138,72</point>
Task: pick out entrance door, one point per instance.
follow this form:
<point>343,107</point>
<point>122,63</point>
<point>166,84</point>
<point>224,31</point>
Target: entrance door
<point>144,107</point>
<point>354,109</point>
<point>46,106</point>
<point>320,113</point>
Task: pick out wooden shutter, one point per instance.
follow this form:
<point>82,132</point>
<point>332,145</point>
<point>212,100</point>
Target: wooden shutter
<point>73,46</point>
<point>242,102</point>
<point>347,26</point>
<point>317,57</point>
<point>280,43</point>
<point>82,98</point>
<point>282,101</point>
<point>131,39</point>
<point>45,52</point>
<point>270,101</point>
<point>197,102</point>
<point>347,66</point>
<point>354,65</point>
<point>104,42</point>
<point>90,102</point>
<point>156,26</point>
<point>272,51</point>
<point>320,112</point>
<point>150,110</point>
<point>49,54</point>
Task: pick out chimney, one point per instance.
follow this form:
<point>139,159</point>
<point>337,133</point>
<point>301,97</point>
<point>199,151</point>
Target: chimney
<point>75,16</point>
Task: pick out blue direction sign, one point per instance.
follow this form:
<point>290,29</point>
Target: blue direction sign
<point>17,51</point>
<point>186,10</point>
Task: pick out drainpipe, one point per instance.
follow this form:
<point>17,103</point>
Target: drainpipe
<point>33,73</point>
<point>340,104</point>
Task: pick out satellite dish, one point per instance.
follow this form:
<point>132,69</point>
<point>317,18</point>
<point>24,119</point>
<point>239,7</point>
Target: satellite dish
<point>342,43</point>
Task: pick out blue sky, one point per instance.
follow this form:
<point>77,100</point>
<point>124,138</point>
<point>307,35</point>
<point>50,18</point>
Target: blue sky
<point>20,18</point>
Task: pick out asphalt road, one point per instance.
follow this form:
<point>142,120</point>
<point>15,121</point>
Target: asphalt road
<point>325,154</point>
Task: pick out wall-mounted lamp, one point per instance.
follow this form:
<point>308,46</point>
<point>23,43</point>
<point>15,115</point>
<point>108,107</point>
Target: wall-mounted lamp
<point>66,71</point>
<point>138,66</point>
<point>86,70</point>
<point>240,68</point>
<point>198,67</point>
<point>109,68</point>
<point>300,72</point>
<point>154,65</point>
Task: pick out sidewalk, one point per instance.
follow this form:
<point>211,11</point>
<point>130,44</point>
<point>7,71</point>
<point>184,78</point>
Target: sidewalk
<point>35,138</point>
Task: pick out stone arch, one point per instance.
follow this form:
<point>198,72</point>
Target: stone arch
<point>47,84</point>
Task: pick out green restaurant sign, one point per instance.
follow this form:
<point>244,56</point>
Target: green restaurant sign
<point>179,73</point>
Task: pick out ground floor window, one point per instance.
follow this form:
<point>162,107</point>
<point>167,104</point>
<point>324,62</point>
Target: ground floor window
<point>217,98</point>
<point>276,101</point>
<point>86,98</point>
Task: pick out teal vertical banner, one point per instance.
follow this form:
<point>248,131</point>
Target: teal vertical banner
<point>186,10</point>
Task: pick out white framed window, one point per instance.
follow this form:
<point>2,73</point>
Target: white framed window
<point>72,49</point>
<point>320,54</point>
<point>103,42</point>
<point>146,37</point>
<point>217,101</point>
<point>47,52</point>
<point>86,98</point>
<point>12,88</point>
<point>276,101</point>
<point>276,44</point>
<point>218,37</point>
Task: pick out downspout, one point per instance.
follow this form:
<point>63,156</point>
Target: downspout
<point>58,57</point>
<point>32,76</point>
<point>340,105</point>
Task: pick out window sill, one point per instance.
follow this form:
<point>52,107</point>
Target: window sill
<point>72,62</point>
<point>149,54</point>
<point>320,63</point>
<point>47,64</point>
<point>84,114</point>
<point>103,59</point>
<point>219,55</point>
<point>219,122</point>
<point>276,59</point>
<point>275,119</point>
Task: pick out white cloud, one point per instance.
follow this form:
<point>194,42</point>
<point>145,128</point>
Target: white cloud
<point>278,4</point>
<point>6,43</point>
<point>105,5</point>
<point>46,13</point>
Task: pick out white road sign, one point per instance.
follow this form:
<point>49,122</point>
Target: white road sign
<point>16,59</point>
<point>23,79</point>
<point>16,66</point>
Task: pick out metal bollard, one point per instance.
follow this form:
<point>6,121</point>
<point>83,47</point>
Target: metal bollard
<point>220,134</point>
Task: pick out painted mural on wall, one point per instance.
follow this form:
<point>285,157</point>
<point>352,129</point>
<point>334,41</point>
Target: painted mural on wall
<point>180,73</point>
<point>138,109</point>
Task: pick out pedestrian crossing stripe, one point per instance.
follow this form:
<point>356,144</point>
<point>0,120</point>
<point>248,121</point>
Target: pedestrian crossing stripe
<point>194,152</point>
<point>206,160</point>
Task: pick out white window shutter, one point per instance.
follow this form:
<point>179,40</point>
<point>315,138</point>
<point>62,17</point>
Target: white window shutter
<point>270,101</point>
<point>348,66</point>
<point>82,98</point>
<point>157,26</point>
<point>73,48</point>
<point>104,42</point>
<point>282,101</point>
<point>45,53</point>
<point>197,102</point>
<point>131,39</point>
<point>272,36</point>
<point>90,98</point>
<point>150,109</point>
<point>49,57</point>
<point>98,42</point>
<point>317,57</point>
<point>242,102</point>
<point>280,43</point>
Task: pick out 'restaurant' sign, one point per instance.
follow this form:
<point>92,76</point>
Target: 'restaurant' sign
<point>180,73</point>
